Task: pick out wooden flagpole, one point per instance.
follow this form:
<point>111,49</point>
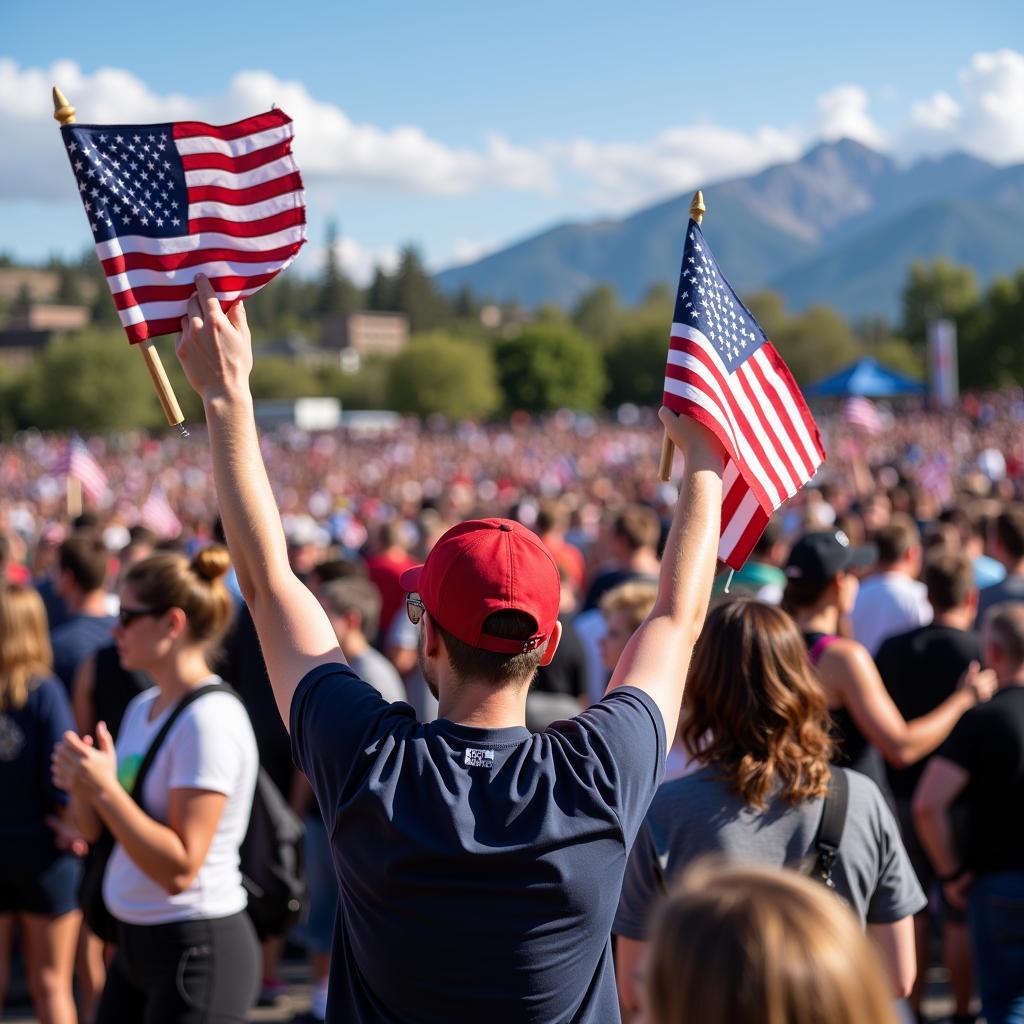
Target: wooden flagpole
<point>74,497</point>
<point>64,114</point>
<point>668,449</point>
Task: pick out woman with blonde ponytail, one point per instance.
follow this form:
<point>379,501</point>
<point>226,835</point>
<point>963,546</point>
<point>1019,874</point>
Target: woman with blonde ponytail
<point>187,952</point>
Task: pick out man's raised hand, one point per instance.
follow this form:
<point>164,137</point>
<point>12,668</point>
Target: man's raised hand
<point>214,348</point>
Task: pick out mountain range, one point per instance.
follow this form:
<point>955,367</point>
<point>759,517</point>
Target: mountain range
<point>839,226</point>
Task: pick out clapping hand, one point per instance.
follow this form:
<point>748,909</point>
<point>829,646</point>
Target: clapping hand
<point>84,768</point>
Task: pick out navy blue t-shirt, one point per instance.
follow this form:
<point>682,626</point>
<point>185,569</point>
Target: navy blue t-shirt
<point>75,640</point>
<point>27,737</point>
<point>479,869</point>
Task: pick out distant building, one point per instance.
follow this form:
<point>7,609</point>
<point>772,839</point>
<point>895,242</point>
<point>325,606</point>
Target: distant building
<point>39,285</point>
<point>20,347</point>
<point>366,334</point>
<point>51,318</point>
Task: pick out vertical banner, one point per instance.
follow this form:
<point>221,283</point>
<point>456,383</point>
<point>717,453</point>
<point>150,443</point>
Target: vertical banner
<point>942,362</point>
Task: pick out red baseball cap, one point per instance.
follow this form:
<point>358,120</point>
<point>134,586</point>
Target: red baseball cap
<point>483,566</point>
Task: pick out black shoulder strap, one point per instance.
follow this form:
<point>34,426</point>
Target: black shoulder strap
<point>147,761</point>
<point>833,821</point>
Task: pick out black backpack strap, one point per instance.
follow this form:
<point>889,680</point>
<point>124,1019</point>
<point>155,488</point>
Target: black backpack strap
<point>830,830</point>
<point>154,747</point>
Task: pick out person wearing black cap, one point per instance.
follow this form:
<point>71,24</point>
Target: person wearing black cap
<point>820,592</point>
<point>479,865</point>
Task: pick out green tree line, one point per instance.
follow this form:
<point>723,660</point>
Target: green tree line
<point>599,354</point>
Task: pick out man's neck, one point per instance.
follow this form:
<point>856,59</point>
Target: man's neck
<point>353,646</point>
<point>1013,677</point>
<point>955,618</point>
<point>482,705</point>
<point>644,562</point>
<point>93,603</point>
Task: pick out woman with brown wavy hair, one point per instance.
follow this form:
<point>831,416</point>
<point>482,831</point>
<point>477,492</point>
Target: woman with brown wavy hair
<point>755,718</point>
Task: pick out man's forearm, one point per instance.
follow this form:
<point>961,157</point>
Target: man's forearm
<point>935,831</point>
<point>252,522</point>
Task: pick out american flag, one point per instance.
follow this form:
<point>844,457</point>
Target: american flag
<point>861,412</point>
<point>157,514</point>
<point>727,375</point>
<point>78,463</point>
<point>168,201</point>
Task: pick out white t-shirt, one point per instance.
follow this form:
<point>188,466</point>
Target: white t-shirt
<point>211,746</point>
<point>888,604</point>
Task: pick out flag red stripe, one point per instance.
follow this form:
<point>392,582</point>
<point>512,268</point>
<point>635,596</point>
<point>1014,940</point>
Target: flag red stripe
<point>167,293</point>
<point>236,164</point>
<point>696,350</point>
<point>773,439</point>
<point>177,260</point>
<point>250,228</point>
<point>805,470</point>
<point>753,530</point>
<point>782,370</point>
<point>247,126</point>
<point>245,196</point>
<point>731,501</point>
<point>154,328</point>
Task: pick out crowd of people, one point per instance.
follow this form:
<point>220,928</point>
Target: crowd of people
<point>843,793</point>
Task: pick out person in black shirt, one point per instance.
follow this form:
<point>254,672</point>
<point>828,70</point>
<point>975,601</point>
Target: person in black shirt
<point>921,669</point>
<point>983,759</point>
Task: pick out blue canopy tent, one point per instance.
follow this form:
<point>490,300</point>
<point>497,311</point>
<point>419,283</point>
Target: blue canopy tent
<point>865,377</point>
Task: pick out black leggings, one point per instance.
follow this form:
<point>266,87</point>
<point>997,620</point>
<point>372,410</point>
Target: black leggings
<point>185,972</point>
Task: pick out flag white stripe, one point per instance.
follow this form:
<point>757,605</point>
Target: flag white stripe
<point>704,400</point>
<point>254,211</point>
<point>744,447</point>
<point>190,243</point>
<point>782,437</point>
<point>242,179</point>
<point>747,509</point>
<point>186,275</point>
<point>782,390</point>
<point>167,310</point>
<point>234,147</point>
<point>732,471</point>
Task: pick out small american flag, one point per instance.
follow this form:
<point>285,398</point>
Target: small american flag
<point>157,514</point>
<point>78,463</point>
<point>168,201</point>
<point>861,412</point>
<point>727,375</point>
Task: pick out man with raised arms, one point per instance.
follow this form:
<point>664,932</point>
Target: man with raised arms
<point>479,866</point>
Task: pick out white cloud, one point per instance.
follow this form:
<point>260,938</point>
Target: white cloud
<point>843,114</point>
<point>989,118</point>
<point>467,250</point>
<point>331,148</point>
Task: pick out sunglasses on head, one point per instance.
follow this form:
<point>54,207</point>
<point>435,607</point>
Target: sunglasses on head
<point>126,616</point>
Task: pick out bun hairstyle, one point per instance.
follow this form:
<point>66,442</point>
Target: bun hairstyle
<point>196,587</point>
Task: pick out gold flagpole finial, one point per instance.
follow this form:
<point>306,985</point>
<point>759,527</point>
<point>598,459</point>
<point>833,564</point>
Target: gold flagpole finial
<point>63,112</point>
<point>668,449</point>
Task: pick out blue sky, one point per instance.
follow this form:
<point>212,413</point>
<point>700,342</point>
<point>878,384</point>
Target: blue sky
<point>462,126</point>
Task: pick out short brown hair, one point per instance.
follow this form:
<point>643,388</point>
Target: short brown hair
<point>896,539</point>
<point>761,945</point>
<point>1009,530</point>
<point>85,556</point>
<point>1004,626</point>
<point>638,526</point>
<point>347,594</point>
<point>196,587</point>
<point>949,578</point>
<point>470,662</point>
<point>753,707</point>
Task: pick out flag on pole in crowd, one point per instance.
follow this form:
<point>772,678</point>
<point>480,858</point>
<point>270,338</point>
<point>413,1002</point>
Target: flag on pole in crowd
<point>76,462</point>
<point>168,201</point>
<point>724,372</point>
<point>861,412</point>
<point>158,515</point>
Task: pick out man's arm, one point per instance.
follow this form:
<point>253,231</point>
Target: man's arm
<point>657,657</point>
<point>295,634</point>
<point>940,785</point>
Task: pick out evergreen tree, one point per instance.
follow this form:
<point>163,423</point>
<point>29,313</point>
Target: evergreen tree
<point>415,294</point>
<point>337,293</point>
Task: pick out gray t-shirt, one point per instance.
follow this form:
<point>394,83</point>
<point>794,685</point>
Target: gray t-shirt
<point>699,815</point>
<point>375,669</point>
<point>1011,589</point>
